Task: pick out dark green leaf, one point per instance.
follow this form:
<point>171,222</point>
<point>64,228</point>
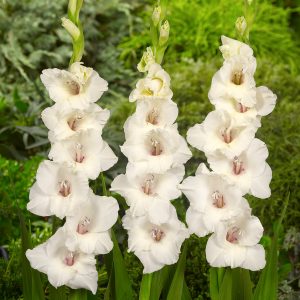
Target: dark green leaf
<point>57,294</point>
<point>241,284</point>
<point>145,289</point>
<point>80,294</point>
<point>213,283</point>
<point>159,280</point>
<point>226,286</point>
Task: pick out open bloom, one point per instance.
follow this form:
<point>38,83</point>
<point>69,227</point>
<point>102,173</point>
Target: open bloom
<point>220,132</point>
<point>86,152</point>
<point>212,200</point>
<point>264,105</point>
<point>64,123</point>
<point>248,171</point>
<point>235,80</point>
<point>152,114</point>
<point>88,229</point>
<point>149,193</point>
<point>156,150</point>
<point>75,88</point>
<point>62,266</point>
<point>235,244</point>
<point>58,190</point>
<point>155,245</point>
<point>155,85</point>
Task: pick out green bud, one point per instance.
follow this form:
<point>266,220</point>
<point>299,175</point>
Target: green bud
<point>250,2</point>
<point>72,9</point>
<point>241,25</point>
<point>146,60</point>
<point>164,33</point>
<point>72,29</point>
<point>156,15</point>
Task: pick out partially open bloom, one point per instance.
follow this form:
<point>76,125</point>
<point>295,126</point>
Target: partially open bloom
<point>219,132</point>
<point>149,193</point>
<point>76,88</point>
<point>64,123</point>
<point>212,200</point>
<point>85,152</point>
<point>155,245</point>
<point>249,170</point>
<point>157,150</point>
<point>63,266</point>
<point>155,84</point>
<point>264,104</point>
<point>235,244</point>
<point>88,228</point>
<point>235,80</point>
<point>58,190</point>
<point>151,114</point>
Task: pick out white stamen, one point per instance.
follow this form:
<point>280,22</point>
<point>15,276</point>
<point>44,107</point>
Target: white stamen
<point>79,157</point>
<point>237,166</point>
<point>82,226</point>
<point>157,234</point>
<point>69,259</point>
<point>218,199</point>
<point>65,188</point>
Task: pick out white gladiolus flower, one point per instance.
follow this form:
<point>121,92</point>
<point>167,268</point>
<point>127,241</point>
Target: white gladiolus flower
<point>86,152</point>
<point>151,114</point>
<point>264,105</point>
<point>248,171</point>
<point>235,80</point>
<point>57,190</point>
<point>156,150</point>
<point>155,85</point>
<point>220,132</point>
<point>88,229</point>
<point>76,88</point>
<point>232,48</point>
<point>62,266</point>
<point>212,200</point>
<point>149,193</point>
<point>64,123</point>
<point>235,244</point>
<point>155,245</point>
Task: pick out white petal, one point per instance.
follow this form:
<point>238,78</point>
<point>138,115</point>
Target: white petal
<point>253,232</point>
<point>149,262</point>
<point>260,185</point>
<point>195,223</point>
<point>255,258</point>
<point>266,100</point>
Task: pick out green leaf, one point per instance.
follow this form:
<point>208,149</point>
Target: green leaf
<point>145,289</point>
<point>32,284</point>
<point>80,294</point>
<point>241,284</point>
<point>226,286</point>
<point>175,291</point>
<point>268,282</point>
<point>186,295</point>
<point>57,294</point>
<point>213,283</point>
<point>159,280</point>
<point>123,289</point>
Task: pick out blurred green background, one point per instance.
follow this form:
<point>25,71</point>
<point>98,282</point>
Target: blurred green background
<point>116,33</point>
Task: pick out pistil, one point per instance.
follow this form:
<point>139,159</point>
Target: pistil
<point>156,147</point>
<point>227,135</point>
<point>79,157</point>
<point>65,188</point>
<point>233,235</point>
<point>83,225</point>
<point>218,199</point>
<point>70,259</point>
<point>148,185</point>
<point>153,116</point>
<point>157,234</point>
<point>237,166</point>
<point>73,122</point>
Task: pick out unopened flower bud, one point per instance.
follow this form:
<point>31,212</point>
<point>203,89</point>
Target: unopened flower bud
<point>164,33</point>
<point>146,61</point>
<point>156,15</point>
<point>72,29</point>
<point>241,25</point>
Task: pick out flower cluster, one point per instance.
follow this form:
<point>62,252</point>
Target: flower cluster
<point>237,160</point>
<point>156,154</point>
<point>77,154</point>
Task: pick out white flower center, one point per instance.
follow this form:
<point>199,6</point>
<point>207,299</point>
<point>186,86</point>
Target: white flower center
<point>69,259</point>
<point>157,234</point>
<point>218,199</point>
<point>73,87</point>
<point>79,157</point>
<point>152,117</point>
<point>233,235</point>
<point>238,167</point>
<point>74,121</point>
<point>237,77</point>
<point>65,188</point>
<point>227,135</point>
<point>147,187</point>
<point>83,225</point>
<point>242,108</point>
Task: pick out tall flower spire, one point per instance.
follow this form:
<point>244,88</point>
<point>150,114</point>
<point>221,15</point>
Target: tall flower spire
<point>77,154</point>
<point>236,158</point>
<point>156,153</point>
